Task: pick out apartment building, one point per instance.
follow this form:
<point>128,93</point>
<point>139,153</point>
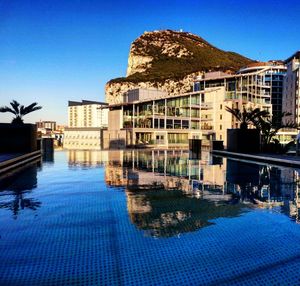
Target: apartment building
<point>156,118</point>
<point>292,88</point>
<point>86,121</point>
<point>257,85</point>
<point>161,120</point>
<point>269,79</point>
<point>48,125</point>
<point>87,114</point>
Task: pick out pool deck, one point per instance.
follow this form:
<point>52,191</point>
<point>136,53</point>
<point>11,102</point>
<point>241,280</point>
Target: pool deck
<point>15,160</point>
<point>274,159</point>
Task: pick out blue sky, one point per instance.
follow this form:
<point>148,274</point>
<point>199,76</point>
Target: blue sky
<point>55,51</point>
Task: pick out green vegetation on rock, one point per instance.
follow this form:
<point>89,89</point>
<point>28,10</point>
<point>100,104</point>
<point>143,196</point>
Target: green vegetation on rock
<point>177,54</point>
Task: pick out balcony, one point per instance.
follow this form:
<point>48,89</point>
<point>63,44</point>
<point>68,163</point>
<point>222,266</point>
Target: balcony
<point>206,105</point>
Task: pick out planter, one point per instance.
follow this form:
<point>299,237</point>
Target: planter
<point>217,145</point>
<point>18,138</point>
<point>243,140</point>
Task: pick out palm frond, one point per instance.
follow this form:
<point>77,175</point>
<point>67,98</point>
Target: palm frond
<point>248,116</point>
<point>7,109</point>
<point>235,112</point>
<point>30,108</point>
<point>15,105</point>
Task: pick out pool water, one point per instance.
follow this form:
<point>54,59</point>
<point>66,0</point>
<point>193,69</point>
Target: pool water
<point>149,217</point>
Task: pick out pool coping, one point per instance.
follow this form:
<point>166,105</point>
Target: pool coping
<point>259,158</point>
<point>18,161</point>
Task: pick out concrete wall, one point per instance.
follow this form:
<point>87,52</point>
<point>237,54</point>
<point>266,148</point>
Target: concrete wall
<point>143,94</point>
<point>115,119</point>
<point>115,139</point>
<point>18,138</point>
<point>87,138</point>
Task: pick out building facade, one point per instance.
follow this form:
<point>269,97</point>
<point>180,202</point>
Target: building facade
<point>86,122</point>
<point>292,89</point>
<point>47,125</point>
<point>156,118</point>
<point>269,79</point>
<point>258,85</point>
<point>87,114</point>
<point>83,138</point>
<point>162,121</point>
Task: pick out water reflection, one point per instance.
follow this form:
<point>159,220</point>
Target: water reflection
<point>169,193</point>
<point>264,185</point>
<point>163,213</point>
<point>15,189</point>
<point>86,158</point>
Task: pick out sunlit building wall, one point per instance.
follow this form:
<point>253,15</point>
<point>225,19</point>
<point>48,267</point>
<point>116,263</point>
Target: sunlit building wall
<point>292,89</point>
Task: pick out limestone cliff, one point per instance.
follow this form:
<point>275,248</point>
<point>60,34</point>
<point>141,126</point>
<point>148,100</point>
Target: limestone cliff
<point>169,60</point>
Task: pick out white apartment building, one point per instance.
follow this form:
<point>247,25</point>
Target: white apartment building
<point>158,119</point>
<point>86,121</point>
<point>291,97</point>
<point>87,114</point>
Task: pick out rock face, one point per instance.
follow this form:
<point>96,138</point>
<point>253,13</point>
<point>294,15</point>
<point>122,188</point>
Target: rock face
<point>138,64</point>
<point>169,60</point>
<point>115,90</point>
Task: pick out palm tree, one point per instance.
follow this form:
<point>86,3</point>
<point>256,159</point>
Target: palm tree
<point>19,110</point>
<point>247,116</point>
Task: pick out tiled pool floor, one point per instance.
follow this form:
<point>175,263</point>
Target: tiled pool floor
<point>68,224</point>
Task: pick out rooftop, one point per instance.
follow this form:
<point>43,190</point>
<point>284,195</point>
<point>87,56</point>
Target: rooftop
<point>85,102</point>
<point>295,55</point>
<point>246,71</point>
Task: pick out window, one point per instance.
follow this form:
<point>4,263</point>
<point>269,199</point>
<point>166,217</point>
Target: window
<point>161,123</point>
<point>220,127</point>
<point>221,106</point>
<point>169,123</point>
<point>221,116</point>
<point>220,137</point>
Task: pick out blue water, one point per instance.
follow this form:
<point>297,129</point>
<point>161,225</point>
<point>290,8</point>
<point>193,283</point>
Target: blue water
<point>149,218</point>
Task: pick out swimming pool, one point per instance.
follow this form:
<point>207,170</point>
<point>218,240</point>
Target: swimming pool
<point>149,217</point>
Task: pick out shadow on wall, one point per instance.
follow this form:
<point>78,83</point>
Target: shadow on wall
<point>117,144</point>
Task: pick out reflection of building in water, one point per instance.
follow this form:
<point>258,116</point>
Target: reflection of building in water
<point>265,185</point>
<point>170,168</point>
<point>116,173</point>
<point>160,196</point>
<point>292,188</point>
<point>15,189</point>
<point>87,157</point>
<point>166,190</point>
<point>168,212</point>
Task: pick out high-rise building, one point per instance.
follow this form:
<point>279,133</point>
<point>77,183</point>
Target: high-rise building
<point>268,79</point>
<point>257,85</point>
<point>292,88</point>
<point>86,121</point>
<point>87,114</point>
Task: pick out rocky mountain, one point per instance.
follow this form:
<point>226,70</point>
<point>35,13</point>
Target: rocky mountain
<point>170,60</point>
